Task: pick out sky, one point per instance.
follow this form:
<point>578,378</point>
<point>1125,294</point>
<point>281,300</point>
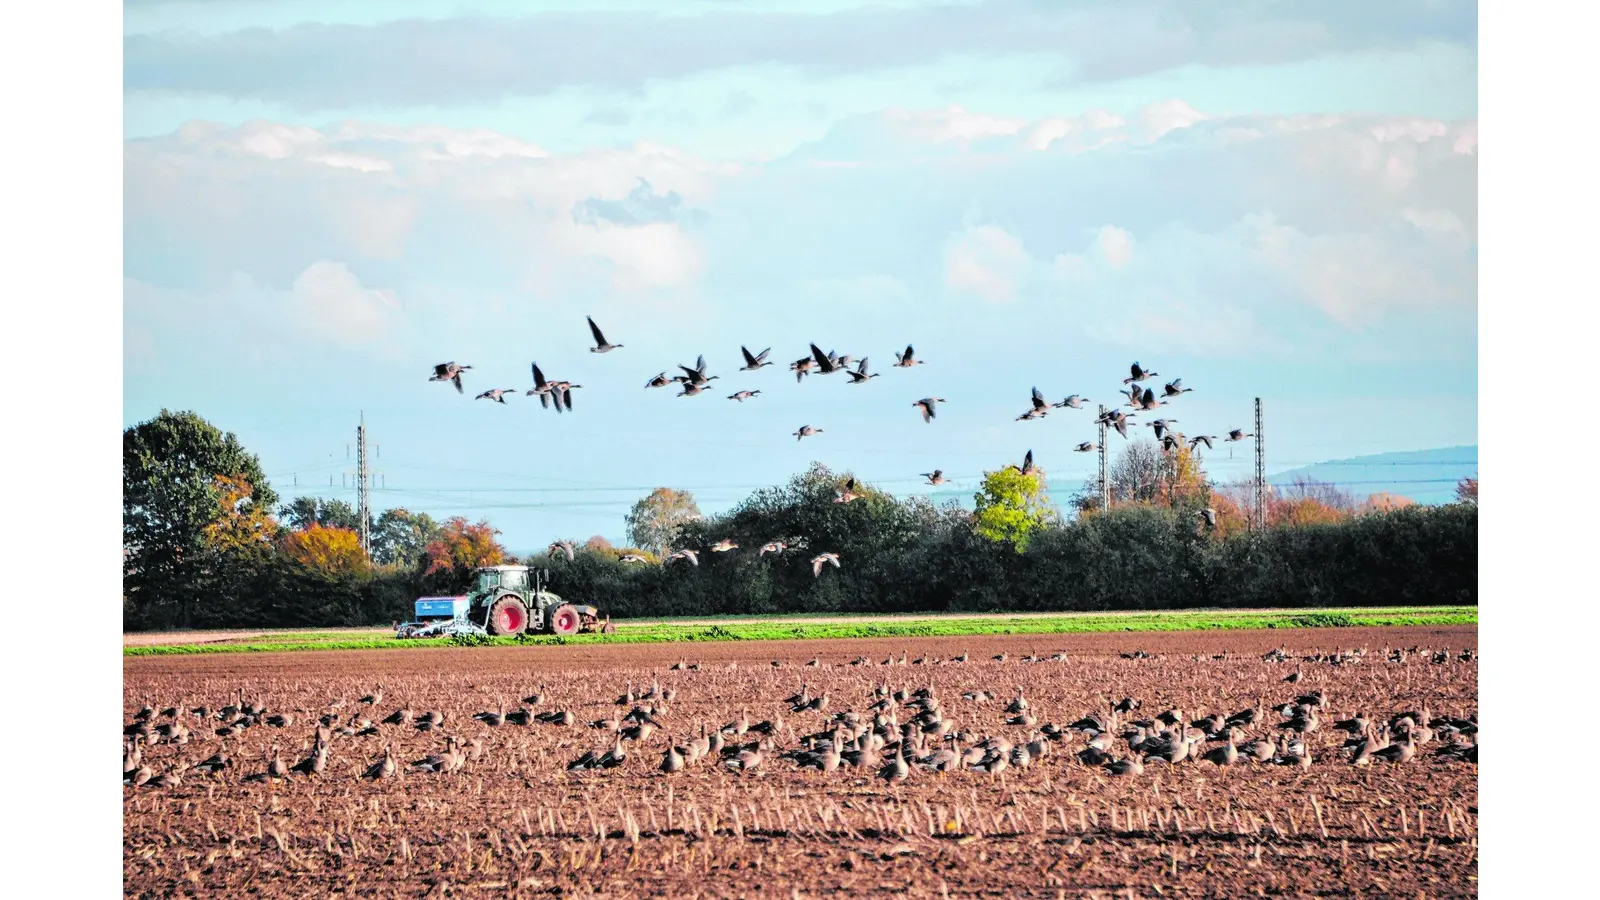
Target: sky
<point>323,200</point>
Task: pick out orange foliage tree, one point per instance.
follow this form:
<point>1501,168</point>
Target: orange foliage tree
<point>462,546</point>
<point>1383,501</point>
<point>326,547</point>
<point>241,524</point>
<point>1294,512</point>
<point>1182,480</point>
<point>1231,518</point>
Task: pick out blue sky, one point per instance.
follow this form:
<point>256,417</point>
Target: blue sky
<point>323,200</point>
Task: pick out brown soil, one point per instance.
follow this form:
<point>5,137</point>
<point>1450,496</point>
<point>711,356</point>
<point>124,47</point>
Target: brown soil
<point>516,823</point>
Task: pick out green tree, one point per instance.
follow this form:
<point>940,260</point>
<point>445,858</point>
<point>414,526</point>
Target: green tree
<point>1011,507</point>
<point>303,512</point>
<point>171,467</point>
<point>655,520</point>
<point>400,537</point>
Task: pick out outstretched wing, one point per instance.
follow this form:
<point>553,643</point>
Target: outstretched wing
<point>748,359</point>
<point>822,358</point>
<point>538,377</point>
<point>599,339</point>
<point>1027,461</point>
<point>1135,371</point>
<point>457,380</point>
<point>909,352</point>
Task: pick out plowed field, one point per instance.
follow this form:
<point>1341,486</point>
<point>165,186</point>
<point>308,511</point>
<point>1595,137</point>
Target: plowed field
<point>513,820</point>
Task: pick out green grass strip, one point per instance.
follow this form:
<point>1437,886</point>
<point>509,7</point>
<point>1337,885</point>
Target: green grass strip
<point>766,629</point>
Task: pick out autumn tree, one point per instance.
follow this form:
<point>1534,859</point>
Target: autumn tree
<point>1011,506</point>
<point>171,496</point>
<point>241,523</point>
<point>1467,490</point>
<point>460,547</point>
<point>1383,501</point>
<point>597,542</point>
<point>655,520</point>
<point>327,548</point>
<point>400,537</point>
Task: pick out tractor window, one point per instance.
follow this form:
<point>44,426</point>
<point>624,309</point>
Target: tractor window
<point>488,580</point>
<point>514,580</point>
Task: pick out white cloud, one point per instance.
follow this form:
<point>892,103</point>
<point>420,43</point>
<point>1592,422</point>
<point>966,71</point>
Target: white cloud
<point>330,298</point>
<point>985,260</point>
<point>1157,119</point>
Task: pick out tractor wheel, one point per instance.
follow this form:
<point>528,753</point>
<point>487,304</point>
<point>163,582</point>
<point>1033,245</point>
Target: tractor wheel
<point>608,628</point>
<point>564,620</point>
<point>508,615</point>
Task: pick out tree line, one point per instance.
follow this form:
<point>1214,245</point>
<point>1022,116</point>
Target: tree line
<point>207,544</point>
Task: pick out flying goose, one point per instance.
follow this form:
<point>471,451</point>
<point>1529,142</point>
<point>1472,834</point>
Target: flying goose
<point>724,545</point>
<point>926,406</point>
<point>1202,439</point>
<point>1175,387</point>
<point>935,478</point>
<point>849,492</point>
<point>1072,402</point>
<point>1027,467</point>
<point>600,344</point>
<point>562,392</point>
<point>690,555</point>
<point>1086,447</point>
<point>659,381</point>
<point>1138,374</point>
<point>1210,517</point>
<point>561,547</point>
<point>907,359</point>
<point>821,559</point>
<point>806,431</point>
<point>802,367</point>
<point>449,372</point>
<point>859,374</point>
<point>1148,401</point>
<point>631,558</point>
<point>1162,426</point>
<point>774,547</point>
<point>754,363</point>
<point>497,395</point>
<point>1238,434</point>
<point>826,362</point>
<point>690,389</point>
<point>742,396</point>
<point>697,375</point>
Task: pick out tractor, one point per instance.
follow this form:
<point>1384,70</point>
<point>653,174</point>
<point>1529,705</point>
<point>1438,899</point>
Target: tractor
<point>505,603</point>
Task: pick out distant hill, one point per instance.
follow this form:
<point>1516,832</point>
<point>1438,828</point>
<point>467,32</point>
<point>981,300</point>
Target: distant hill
<point>1426,476</point>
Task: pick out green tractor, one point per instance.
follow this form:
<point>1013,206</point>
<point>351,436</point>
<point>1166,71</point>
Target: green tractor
<point>505,602</point>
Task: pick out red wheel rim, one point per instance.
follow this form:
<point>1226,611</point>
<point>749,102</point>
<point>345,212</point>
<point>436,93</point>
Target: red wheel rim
<point>566,621</point>
<point>510,618</point>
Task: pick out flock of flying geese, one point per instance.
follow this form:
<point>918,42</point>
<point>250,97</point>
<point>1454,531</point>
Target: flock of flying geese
<point>876,739</point>
<point>695,380</point>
